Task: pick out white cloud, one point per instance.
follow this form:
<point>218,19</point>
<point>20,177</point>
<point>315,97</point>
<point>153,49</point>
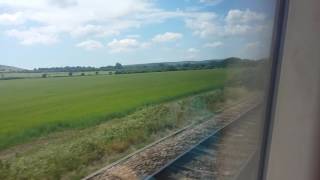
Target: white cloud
<point>52,12</point>
<point>236,16</point>
<point>90,45</point>
<point>96,18</point>
<point>211,2</point>
<point>204,24</point>
<point>83,18</point>
<point>236,22</point>
<point>243,22</point>
<point>191,54</point>
<point>125,45</point>
<point>166,37</point>
<point>252,45</point>
<point>237,29</point>
<point>80,17</point>
<point>135,36</point>
<point>96,30</point>
<point>214,44</point>
<point>11,19</point>
<point>43,35</point>
<point>64,3</point>
<point>193,50</point>
<point>112,28</point>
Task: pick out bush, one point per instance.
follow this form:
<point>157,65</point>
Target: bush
<point>119,146</point>
<point>4,168</point>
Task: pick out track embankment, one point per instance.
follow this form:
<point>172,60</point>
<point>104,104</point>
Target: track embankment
<point>159,160</point>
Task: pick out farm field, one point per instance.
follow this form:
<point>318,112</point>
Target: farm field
<point>30,108</point>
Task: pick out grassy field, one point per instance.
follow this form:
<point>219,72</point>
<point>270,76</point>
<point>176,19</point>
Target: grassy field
<point>33,107</point>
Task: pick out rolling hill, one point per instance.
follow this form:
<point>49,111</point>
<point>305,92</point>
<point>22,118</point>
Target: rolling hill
<point>10,69</point>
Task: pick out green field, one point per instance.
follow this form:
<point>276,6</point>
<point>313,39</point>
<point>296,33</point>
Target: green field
<point>33,107</point>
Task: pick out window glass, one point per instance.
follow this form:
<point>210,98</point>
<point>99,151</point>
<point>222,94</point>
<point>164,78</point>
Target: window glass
<point>133,89</point>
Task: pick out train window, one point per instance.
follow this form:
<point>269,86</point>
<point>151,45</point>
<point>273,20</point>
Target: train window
<point>133,89</point>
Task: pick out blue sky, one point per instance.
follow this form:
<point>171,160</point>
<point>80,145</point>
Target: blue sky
<point>46,33</point>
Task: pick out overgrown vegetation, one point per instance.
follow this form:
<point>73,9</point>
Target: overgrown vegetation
<point>75,153</point>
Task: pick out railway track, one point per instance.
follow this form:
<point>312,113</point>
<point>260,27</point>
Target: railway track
<point>220,156</point>
<point>167,157</point>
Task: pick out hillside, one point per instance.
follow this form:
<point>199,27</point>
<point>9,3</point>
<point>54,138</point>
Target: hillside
<point>9,69</point>
<point>186,65</point>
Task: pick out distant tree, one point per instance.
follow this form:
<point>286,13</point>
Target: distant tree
<point>118,66</point>
<point>83,74</point>
<point>171,68</point>
<point>110,73</point>
<point>70,74</point>
<point>97,72</point>
<point>44,76</point>
<point>186,65</point>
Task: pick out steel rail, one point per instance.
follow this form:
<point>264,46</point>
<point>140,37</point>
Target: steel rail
<point>219,130</point>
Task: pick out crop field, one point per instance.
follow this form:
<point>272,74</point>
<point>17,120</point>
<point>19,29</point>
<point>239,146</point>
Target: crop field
<point>30,108</point>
